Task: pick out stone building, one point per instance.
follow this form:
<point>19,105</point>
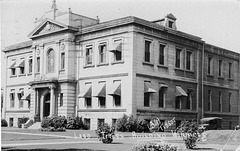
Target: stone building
<point>77,66</point>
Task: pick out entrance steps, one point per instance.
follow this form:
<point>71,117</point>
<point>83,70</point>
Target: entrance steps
<point>36,125</point>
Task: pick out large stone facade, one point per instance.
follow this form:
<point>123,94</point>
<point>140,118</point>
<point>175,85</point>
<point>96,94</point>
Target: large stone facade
<point>100,71</point>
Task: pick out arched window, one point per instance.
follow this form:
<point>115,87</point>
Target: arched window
<point>50,62</point>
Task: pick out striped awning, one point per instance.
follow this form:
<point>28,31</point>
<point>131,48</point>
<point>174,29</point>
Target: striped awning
<point>180,91</point>
<point>21,63</point>
<point>148,88</point>
<point>115,89</point>
<point>117,47</point>
<point>27,95</point>
<point>12,65</point>
<point>101,90</point>
<point>86,92</point>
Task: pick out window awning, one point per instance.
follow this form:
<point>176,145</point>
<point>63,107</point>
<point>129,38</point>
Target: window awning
<point>21,63</point>
<point>148,88</point>
<point>101,90</point>
<point>116,89</point>
<point>117,47</point>
<point>163,86</point>
<point>180,91</point>
<point>86,92</point>
<point>12,65</point>
<point>21,90</point>
<point>26,95</point>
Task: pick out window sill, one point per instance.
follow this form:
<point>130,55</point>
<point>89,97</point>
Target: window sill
<point>89,66</point>
<point>178,69</point>
<point>102,64</point>
<point>21,75</point>
<point>61,71</point>
<point>162,66</point>
<point>13,76</point>
<point>29,74</point>
<point>189,71</point>
<point>209,75</point>
<point>147,63</point>
<point>37,73</point>
<point>117,62</point>
<point>221,78</point>
<point>230,79</point>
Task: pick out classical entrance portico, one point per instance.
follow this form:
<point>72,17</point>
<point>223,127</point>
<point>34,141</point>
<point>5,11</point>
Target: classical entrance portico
<point>44,102</point>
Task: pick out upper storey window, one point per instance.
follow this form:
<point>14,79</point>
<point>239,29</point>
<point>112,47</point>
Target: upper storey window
<point>117,50</point>
<point>178,59</point>
<point>102,53</point>
<point>210,65</point>
<point>147,51</point>
<point>50,57</point>
<point>12,67</point>
<point>89,55</point>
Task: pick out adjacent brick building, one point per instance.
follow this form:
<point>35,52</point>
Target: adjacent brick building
<point>76,66</point>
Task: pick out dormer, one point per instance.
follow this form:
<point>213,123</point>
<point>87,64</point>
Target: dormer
<point>170,21</point>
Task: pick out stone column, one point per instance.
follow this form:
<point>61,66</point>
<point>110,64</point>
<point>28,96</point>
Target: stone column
<point>34,104</point>
<point>52,102</point>
<point>37,102</point>
<point>41,107</point>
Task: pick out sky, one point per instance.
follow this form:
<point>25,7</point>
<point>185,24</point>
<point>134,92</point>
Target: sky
<point>216,21</point>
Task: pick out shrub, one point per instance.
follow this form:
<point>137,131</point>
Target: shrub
<point>21,121</point>
<point>57,122</point>
<point>74,123</point>
<point>4,123</point>
<point>129,124</point>
<point>150,146</point>
<point>190,133</point>
<point>105,133</point>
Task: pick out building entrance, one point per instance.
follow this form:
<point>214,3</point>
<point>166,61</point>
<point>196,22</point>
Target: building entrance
<point>46,109</point>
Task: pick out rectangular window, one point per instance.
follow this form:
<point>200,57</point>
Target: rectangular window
<point>146,99</point>
<point>13,71</point>
<point>62,61</point>
<point>161,97</point>
<point>20,95</point>
<point>61,99</point>
<point>188,60</point>
<point>102,101</point>
<point>114,121</point>
<point>209,100</point>
<point>161,54</point>
<point>117,100</point>
<point>220,68</point>
<point>178,103</point>
<point>22,66</point>
<point>30,65</point>
<point>118,52</point>
<point>89,55</point>
<point>209,65</point>
<point>13,68</point>
<point>178,58</point>
<point>147,51</point>
<point>229,101</point>
<point>38,64</point>
<point>100,122</point>
<point>12,99</point>
<point>189,99</point>
<point>229,70</point>
<point>10,122</point>
<point>88,102</point>
<point>170,24</point>
<point>220,101</point>
<point>102,53</point>
<point>87,123</point>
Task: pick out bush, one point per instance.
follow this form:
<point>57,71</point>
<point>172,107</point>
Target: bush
<point>4,123</point>
<point>150,146</point>
<point>105,133</point>
<point>74,123</point>
<point>129,124</point>
<point>21,121</point>
<point>190,133</point>
<point>57,122</point>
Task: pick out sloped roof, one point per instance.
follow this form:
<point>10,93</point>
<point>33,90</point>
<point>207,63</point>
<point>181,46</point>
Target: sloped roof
<point>18,46</point>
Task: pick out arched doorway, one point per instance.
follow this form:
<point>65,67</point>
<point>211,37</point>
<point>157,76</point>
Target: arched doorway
<point>46,108</point>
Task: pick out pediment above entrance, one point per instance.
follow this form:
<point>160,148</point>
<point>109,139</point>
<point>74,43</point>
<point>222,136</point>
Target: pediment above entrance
<point>49,26</point>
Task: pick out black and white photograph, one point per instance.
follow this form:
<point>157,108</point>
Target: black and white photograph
<point>120,75</point>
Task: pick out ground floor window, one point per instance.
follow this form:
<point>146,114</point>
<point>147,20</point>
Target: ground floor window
<point>100,122</point>
<point>117,100</point>
<point>146,99</point>
<point>114,122</point>
<point>102,101</point>
<point>10,122</point>
<point>178,102</point>
<point>178,122</point>
<point>87,123</point>
<point>88,102</point>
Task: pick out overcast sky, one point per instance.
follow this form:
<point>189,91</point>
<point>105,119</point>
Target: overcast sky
<point>216,21</point>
